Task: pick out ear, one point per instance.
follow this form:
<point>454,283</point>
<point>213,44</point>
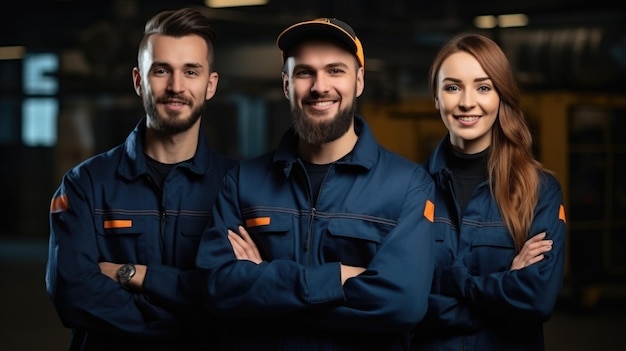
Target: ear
<point>137,81</point>
<point>286,83</point>
<point>211,88</point>
<point>360,81</point>
<point>436,103</point>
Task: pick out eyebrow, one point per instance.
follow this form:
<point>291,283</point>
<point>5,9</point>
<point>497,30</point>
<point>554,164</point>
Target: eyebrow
<point>456,80</point>
<point>193,65</point>
<point>330,65</point>
<point>186,65</point>
<point>337,64</point>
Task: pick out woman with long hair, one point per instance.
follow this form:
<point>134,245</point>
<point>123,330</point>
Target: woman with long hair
<point>500,221</point>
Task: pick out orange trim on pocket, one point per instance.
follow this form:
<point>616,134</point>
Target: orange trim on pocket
<point>255,222</point>
<point>59,204</point>
<point>562,214</point>
<point>118,223</point>
<point>429,211</point>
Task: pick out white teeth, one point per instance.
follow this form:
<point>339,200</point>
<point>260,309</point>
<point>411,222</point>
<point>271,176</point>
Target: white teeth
<point>468,119</point>
<point>323,103</point>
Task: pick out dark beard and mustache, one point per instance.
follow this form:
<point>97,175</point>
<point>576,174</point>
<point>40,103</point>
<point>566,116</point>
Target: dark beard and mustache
<point>170,126</point>
<point>319,132</point>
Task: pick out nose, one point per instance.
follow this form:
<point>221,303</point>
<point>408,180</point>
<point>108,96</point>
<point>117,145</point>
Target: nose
<point>175,83</point>
<point>321,84</point>
<point>468,100</point>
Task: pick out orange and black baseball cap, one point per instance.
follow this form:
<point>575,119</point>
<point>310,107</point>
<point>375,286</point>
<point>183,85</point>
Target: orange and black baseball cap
<point>321,27</point>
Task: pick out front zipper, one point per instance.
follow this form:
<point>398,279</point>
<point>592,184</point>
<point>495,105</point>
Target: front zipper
<point>307,243</point>
<point>162,235</point>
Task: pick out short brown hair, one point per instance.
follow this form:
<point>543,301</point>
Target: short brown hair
<point>179,23</point>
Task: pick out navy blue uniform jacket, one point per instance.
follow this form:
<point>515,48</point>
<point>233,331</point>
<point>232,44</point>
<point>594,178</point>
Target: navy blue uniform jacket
<point>374,210</point>
<point>108,209</point>
<point>477,302</point>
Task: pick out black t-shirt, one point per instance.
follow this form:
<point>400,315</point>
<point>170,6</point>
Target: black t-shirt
<point>316,174</point>
<point>159,170</point>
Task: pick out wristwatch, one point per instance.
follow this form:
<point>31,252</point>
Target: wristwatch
<point>125,273</point>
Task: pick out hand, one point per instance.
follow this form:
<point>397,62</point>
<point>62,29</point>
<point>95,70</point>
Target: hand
<point>348,272</point>
<point>110,270</point>
<point>532,252</point>
<point>243,246</point>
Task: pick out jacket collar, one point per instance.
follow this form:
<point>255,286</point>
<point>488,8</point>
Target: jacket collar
<point>133,163</point>
<point>436,163</point>
<point>363,155</point>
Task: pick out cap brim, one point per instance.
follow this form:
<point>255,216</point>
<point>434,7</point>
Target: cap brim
<point>313,29</point>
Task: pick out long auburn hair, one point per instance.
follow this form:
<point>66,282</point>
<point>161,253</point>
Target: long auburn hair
<point>512,168</point>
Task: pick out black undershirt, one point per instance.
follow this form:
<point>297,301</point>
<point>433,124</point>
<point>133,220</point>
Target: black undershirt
<point>467,172</point>
<point>159,170</point>
<point>316,176</point>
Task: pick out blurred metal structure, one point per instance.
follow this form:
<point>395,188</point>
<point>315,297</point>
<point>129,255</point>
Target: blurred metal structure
<point>576,43</point>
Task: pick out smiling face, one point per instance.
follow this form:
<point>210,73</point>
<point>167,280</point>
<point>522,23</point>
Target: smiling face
<point>174,80</point>
<point>325,83</point>
<point>467,102</point>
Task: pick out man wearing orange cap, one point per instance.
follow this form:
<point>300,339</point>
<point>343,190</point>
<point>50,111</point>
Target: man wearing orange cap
<point>324,243</point>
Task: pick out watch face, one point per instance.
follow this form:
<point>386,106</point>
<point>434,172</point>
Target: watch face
<point>125,270</point>
<point>125,273</point>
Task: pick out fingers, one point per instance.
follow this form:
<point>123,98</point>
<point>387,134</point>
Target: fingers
<point>532,252</point>
<point>539,236</point>
<point>244,233</point>
<point>243,246</point>
<point>534,260</point>
<point>537,244</point>
<point>537,241</point>
<point>235,242</point>
<point>348,272</point>
<point>250,245</point>
<point>536,238</point>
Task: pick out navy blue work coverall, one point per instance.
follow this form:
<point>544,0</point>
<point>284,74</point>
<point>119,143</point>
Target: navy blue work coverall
<point>477,302</point>
<point>108,208</point>
<point>374,210</point>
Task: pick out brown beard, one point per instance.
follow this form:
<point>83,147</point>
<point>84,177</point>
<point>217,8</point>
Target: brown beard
<point>320,132</point>
<point>169,126</point>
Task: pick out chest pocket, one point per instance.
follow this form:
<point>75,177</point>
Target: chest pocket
<point>121,238</point>
<point>353,241</point>
<point>186,247</point>
<point>445,236</point>
<point>274,238</point>
<point>492,251</point>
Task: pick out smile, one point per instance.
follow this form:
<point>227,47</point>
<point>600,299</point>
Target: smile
<point>468,118</point>
<point>322,103</point>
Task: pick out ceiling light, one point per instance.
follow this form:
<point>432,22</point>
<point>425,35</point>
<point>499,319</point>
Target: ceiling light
<point>513,20</point>
<point>503,21</point>
<point>485,22</point>
<point>12,52</point>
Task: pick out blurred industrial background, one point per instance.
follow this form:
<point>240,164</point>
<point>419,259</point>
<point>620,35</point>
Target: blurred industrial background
<point>66,93</point>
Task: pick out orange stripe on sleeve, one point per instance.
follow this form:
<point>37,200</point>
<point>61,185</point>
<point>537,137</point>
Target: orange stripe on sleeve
<point>429,211</point>
<point>255,222</point>
<point>118,223</point>
<point>59,204</point>
<point>562,214</point>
